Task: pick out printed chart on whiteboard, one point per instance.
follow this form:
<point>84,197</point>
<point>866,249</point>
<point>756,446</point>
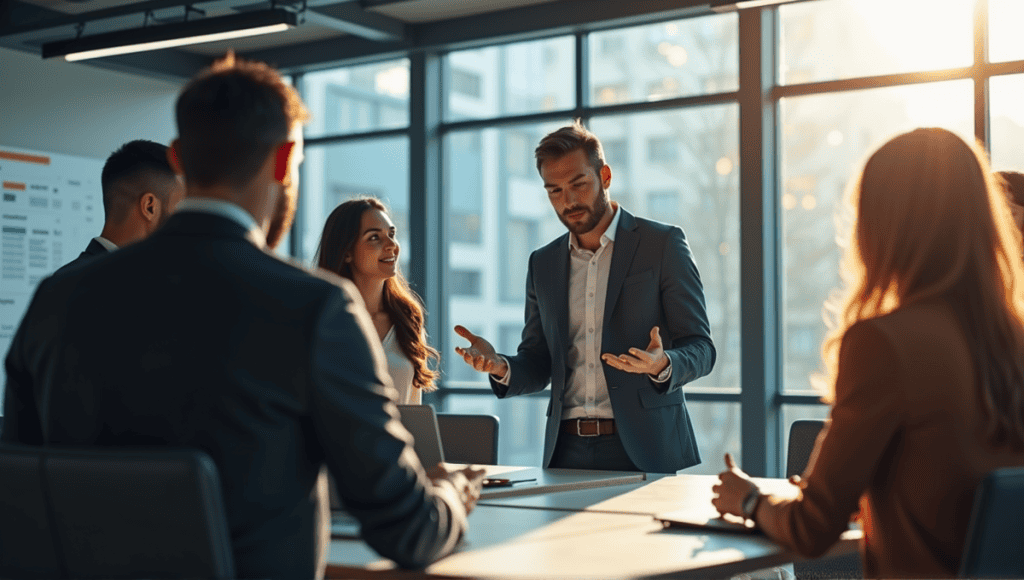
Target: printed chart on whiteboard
<point>52,206</point>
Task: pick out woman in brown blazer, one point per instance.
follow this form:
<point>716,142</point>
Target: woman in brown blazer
<point>923,363</point>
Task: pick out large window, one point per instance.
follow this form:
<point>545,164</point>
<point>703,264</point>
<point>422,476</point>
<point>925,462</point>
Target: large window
<point>667,101</point>
<point>336,173</point>
<point>1007,125</point>
<point>824,141</point>
<point>528,77</point>
<point>673,59</point>
<point>839,39</point>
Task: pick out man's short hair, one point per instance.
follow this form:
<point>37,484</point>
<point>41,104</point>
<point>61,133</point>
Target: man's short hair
<point>135,168</point>
<point>230,118</point>
<point>1013,183</point>
<point>568,139</point>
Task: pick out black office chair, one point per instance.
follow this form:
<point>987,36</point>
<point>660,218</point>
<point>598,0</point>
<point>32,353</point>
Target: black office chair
<point>803,434</point>
<point>994,546</point>
<point>113,513</point>
<point>469,438</point>
<point>26,535</point>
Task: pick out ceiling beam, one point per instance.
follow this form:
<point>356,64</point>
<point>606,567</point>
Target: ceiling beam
<point>516,24</point>
<point>350,18</point>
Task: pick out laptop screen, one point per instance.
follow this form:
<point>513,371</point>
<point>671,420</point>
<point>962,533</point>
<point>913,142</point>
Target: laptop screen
<point>421,422</point>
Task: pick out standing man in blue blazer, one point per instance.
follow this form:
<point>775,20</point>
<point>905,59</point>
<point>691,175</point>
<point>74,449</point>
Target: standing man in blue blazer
<point>616,289</point>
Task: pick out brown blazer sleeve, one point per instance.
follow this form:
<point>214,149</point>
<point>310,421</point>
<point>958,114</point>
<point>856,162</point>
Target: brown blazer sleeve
<point>866,415</point>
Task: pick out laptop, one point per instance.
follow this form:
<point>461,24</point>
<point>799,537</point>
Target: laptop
<point>421,422</point>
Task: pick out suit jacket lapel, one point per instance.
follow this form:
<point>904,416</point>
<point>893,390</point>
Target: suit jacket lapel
<point>626,241</point>
<point>560,289</point>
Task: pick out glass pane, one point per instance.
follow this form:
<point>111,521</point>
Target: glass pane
<point>514,79</point>
<point>825,139</point>
<point>717,427</point>
<point>1007,123</point>
<point>666,60</point>
<point>682,167</point>
<point>357,98</point>
<point>491,178</point>
<point>838,39</point>
<point>335,173</point>
<point>791,413</point>
<point>1004,19</point>
<point>521,422</point>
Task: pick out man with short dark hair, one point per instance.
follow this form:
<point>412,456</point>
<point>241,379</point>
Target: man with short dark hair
<point>616,289</point>
<point>140,191</point>
<point>200,337</point>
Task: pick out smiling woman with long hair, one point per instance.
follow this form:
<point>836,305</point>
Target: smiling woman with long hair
<point>924,366</point>
<point>359,243</point>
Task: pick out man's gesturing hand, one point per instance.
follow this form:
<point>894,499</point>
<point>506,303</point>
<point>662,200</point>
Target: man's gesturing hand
<point>480,355</point>
<point>651,361</point>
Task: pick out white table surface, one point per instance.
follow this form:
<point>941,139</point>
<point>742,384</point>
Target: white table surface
<point>617,537</point>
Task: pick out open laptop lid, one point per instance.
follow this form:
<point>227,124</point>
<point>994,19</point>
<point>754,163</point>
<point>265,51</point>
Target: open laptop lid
<point>421,421</point>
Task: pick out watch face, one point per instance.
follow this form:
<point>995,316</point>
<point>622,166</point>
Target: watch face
<point>749,503</point>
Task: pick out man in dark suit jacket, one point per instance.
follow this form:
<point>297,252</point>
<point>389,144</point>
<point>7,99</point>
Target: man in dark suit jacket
<point>615,282</point>
<point>200,337</point>
<point>140,191</point>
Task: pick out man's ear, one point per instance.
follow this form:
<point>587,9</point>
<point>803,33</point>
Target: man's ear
<point>149,207</point>
<point>606,175</point>
<point>174,158</point>
<point>282,160</point>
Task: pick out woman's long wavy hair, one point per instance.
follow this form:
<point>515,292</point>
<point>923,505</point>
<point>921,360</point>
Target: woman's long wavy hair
<point>341,232</point>
<point>928,220</point>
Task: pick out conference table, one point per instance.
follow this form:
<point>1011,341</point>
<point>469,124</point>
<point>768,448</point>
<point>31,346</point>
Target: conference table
<point>585,524</point>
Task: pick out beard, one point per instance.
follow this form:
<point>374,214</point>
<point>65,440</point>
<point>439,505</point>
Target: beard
<point>284,215</point>
<point>593,217</point>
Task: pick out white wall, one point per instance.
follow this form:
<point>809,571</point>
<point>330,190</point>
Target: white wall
<point>76,109</point>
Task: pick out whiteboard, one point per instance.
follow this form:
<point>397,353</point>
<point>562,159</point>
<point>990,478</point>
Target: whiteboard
<point>52,206</point>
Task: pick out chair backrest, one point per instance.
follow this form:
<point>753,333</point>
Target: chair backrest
<point>469,438</point>
<point>130,513</point>
<point>26,536</point>
<point>803,434</point>
<point>995,535</point>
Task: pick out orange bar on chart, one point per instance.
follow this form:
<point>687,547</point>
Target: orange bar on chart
<point>12,156</point>
<point>14,185</point>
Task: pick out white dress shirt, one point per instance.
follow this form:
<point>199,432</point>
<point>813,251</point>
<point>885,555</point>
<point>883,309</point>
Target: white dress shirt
<point>110,246</point>
<point>401,370</point>
<point>586,390</point>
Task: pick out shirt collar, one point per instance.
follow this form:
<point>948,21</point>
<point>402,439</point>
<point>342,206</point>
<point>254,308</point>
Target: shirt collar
<point>228,210</point>
<point>609,234</point>
<point>110,246</point>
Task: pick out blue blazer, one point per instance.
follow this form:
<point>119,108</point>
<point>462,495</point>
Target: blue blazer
<point>653,281</point>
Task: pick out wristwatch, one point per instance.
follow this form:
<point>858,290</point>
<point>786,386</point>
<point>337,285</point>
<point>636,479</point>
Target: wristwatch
<point>750,503</point>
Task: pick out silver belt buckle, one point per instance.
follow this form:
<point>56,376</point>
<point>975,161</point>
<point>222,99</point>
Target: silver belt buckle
<point>597,427</point>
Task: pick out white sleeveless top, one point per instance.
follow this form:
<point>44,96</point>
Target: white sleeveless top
<point>400,369</point>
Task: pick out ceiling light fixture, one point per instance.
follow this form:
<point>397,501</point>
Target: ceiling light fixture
<point>171,35</point>
<point>734,5</point>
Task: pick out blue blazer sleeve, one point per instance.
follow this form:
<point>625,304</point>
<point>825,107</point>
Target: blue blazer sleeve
<point>531,366</point>
<point>369,452</point>
<point>687,338</point>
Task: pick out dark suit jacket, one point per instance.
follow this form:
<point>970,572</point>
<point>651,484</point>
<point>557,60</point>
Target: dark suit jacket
<point>653,281</point>
<point>93,250</point>
<point>195,337</point>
